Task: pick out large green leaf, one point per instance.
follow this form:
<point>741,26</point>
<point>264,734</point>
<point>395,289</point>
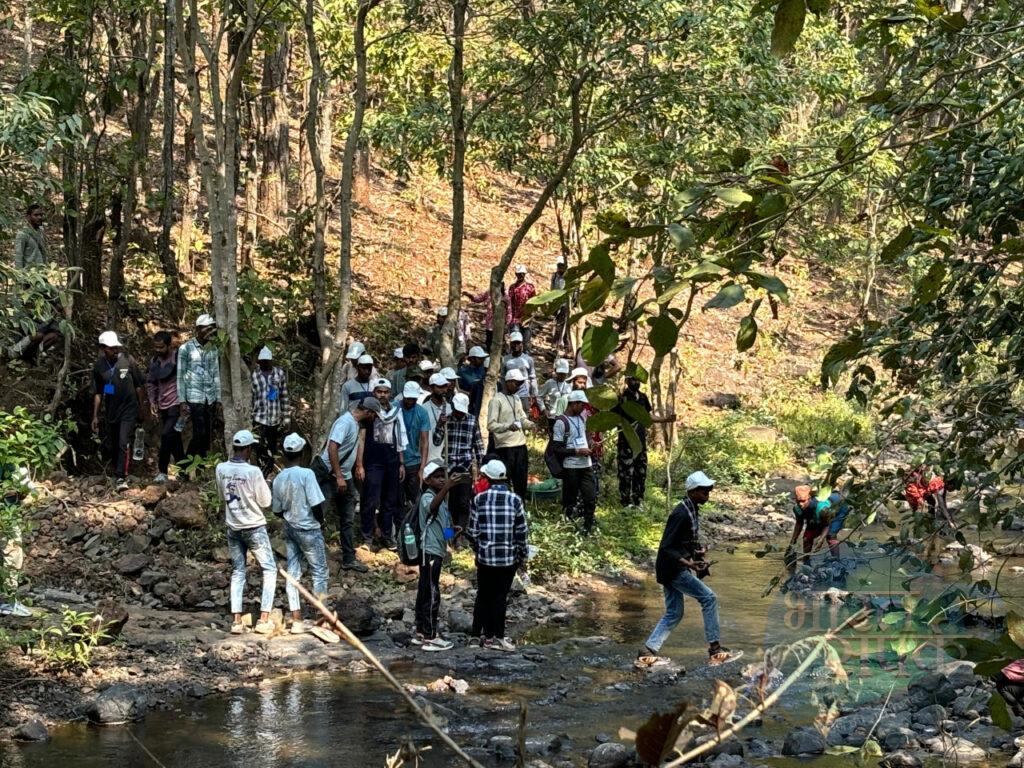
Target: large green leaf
<point>729,296</point>
<point>1000,714</point>
<point>772,205</point>
<point>637,371</point>
<point>1015,628</point>
<point>612,222</point>
<point>663,335</point>
<point>599,341</point>
<point>929,286</point>
<point>602,421</point>
<point>837,356</point>
<point>636,412</point>
<point>593,295</point>
<point>734,195</point>
<point>600,261</point>
<point>603,397</point>
<point>895,247</point>
<point>747,333</point>
<point>703,271</point>
<point>789,23</point>
<point>682,237</point>
<point>769,283</point>
<point>548,297</point>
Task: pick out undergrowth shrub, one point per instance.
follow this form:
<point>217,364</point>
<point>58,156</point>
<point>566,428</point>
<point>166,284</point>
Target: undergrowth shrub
<point>809,420</point>
<point>729,449</point>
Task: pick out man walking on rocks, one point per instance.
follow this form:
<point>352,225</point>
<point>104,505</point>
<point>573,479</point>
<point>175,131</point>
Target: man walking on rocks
<point>680,568</point>
<point>118,387</point>
<point>199,383</point>
<point>245,494</point>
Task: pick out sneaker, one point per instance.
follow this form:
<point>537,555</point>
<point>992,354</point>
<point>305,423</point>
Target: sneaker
<point>160,479</point>
<point>238,629</point>
<point>438,644</point>
<point>389,543</point>
<point>504,644</point>
<point>263,627</point>
<point>488,644</point>
<point>15,609</point>
<point>354,565</point>
<point>299,628</point>
<point>122,485</point>
<point>417,639</point>
<point>720,654</point>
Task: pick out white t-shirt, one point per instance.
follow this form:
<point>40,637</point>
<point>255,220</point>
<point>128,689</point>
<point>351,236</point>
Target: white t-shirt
<point>344,432</point>
<point>572,430</point>
<point>245,493</point>
<point>296,492</point>
<point>434,412</point>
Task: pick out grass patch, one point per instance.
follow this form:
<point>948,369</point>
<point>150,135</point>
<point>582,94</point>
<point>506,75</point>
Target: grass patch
<point>810,420</point>
<point>730,448</point>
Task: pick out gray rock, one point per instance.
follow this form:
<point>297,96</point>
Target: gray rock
<point>931,715</point>
<point>931,689</point>
<point>357,614</point>
<point>900,760</point>
<point>723,400</point>
<point>183,509</point>
<point>803,741</point>
<point>164,588</point>
<point>74,532</point>
<point>899,740</point>
<point>130,565</point>
<point>159,527</point>
<point>726,761</point>
<point>60,596</point>
<point>149,578</point>
<point>956,750</point>
<point>31,730</point>
<point>611,755</point>
<point>758,748</point>
<point>136,543</point>
<point>502,747</point>
<point>460,621</point>
<point>120,703</point>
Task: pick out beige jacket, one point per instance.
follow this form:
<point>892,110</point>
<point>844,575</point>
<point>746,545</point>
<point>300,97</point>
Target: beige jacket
<point>504,410</point>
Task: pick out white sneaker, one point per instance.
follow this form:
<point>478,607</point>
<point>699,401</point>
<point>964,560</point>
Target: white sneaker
<point>122,485</point>
<point>160,479</point>
<point>299,628</point>
<point>263,627</point>
<point>438,644</point>
<point>504,644</point>
<point>15,609</point>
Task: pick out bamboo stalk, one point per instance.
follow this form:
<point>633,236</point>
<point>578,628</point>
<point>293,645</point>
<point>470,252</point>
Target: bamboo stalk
<point>761,708</point>
<point>356,643</point>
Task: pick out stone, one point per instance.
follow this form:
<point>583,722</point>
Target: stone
<point>31,730</point>
<point>357,614</point>
<point>932,715</point>
<point>900,760</point>
<point>723,400</point>
<point>759,748</point>
<point>183,509</point>
<point>899,740</point>
<point>610,755</point>
<point>460,621</point>
<point>726,761</point>
<point>74,533</point>
<point>149,578</point>
<point>803,741</point>
<point>934,688</point>
<point>61,596</point>
<point>954,750</point>
<point>164,588</point>
<point>136,544</point>
<point>120,703</point>
<point>111,617</point>
<point>131,565</point>
<point>148,497</point>
<point>502,747</point>
<point>159,527</point>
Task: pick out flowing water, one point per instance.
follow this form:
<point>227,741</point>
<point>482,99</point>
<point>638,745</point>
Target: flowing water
<point>575,689</point>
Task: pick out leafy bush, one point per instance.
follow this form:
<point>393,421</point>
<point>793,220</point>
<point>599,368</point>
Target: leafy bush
<point>728,448</point>
<point>71,643</point>
<point>812,420</point>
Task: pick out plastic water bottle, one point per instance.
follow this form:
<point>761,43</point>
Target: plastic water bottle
<point>409,536</point>
<point>179,425</point>
<point>139,451</point>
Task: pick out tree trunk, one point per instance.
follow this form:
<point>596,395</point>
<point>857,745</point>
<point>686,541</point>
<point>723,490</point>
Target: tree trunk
<point>186,232</point>
<point>273,141</point>
<point>361,191</point>
<point>174,298</point>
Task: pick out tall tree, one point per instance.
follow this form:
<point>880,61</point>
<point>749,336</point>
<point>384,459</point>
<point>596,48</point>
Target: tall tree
<point>273,145</point>
<point>174,298</point>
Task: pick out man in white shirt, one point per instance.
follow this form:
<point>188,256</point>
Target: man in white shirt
<point>246,495</point>
<point>518,359</point>
<point>554,391</point>
<point>506,421</point>
<point>579,484</point>
<point>438,410</point>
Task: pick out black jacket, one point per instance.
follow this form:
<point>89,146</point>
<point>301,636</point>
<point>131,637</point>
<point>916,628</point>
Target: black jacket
<point>678,541</point>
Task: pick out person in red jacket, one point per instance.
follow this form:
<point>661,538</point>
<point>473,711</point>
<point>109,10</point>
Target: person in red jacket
<point>1010,684</point>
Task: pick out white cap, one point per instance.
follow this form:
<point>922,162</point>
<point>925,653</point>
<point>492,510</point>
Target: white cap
<point>577,372</point>
<point>431,468</point>
<point>515,375</point>
<point>204,321</point>
<point>244,437</point>
<point>355,349</point>
<point>559,262</point>
<point>442,312</point>
<point>265,354</point>
<point>494,469</point>
<point>364,360</point>
<point>382,383</point>
<point>578,396</point>
<point>398,354</point>
<point>520,269</point>
<point>437,380</point>
<point>449,373</point>
<point>109,339</point>
<point>426,365</point>
<point>699,480</point>
<point>294,443</point>
<point>461,402</point>
<point>515,336</point>
<point>477,352</point>
<point>561,366</point>
<point>411,390</point>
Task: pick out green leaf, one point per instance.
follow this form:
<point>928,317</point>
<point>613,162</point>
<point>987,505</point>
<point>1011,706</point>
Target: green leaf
<point>593,295</point>
<point>838,354</point>
<point>599,341</point>
<point>929,286</point>
<point>895,247</point>
<point>734,195</point>
<point>612,222</point>
<point>880,96</point>
<point>637,371</point>
<point>769,283</point>
<point>603,397</point>
<point>1011,245</point>
<point>636,412</point>
<point>953,22</point>
<point>841,749</point>
<point>999,713</point>
<point>1015,628</point>
<point>548,297</point>
<point>729,296</point>
<point>682,237</point>
<point>663,335</point>
<point>872,748</point>
<point>772,205</point>
<point>600,261</point>
<point>704,270</point>
<point>789,23</point>
<point>747,333</point>
<point>739,157</point>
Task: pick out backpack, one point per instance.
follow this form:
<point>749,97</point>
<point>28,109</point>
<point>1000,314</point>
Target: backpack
<point>551,459</point>
<point>410,537</point>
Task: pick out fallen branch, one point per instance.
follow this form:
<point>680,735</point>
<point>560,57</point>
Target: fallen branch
<point>760,709</point>
<point>356,643</point>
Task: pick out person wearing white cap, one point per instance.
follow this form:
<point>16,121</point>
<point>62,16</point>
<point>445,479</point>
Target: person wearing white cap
<point>297,499</point>
<point>520,292</point>
<point>506,421</point>
<point>453,382</point>
<point>471,378</point>
<point>436,529</point>
<point>518,359</point>
<point>571,444</point>
<point>119,388</point>
<point>245,494</point>
<point>438,410</point>
<point>355,389</point>
<point>356,349</point>
<point>680,568</point>
<point>271,406</point>
<point>380,470</point>
<point>333,470</point>
<point>199,384</point>
<point>498,533</point>
<point>398,356</point>
<point>417,430</point>
<point>409,368</point>
<point>554,392</point>
<point>465,449</point>
<point>632,466</point>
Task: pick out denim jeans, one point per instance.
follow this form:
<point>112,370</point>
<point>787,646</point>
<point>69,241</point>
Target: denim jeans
<point>257,541</point>
<point>689,585</point>
<point>305,547</point>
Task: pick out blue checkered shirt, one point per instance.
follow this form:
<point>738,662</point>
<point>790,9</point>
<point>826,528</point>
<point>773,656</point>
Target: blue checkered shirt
<point>465,445</point>
<point>497,527</point>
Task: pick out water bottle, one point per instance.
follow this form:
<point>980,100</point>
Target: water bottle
<point>139,452</point>
<point>408,535</point>
<point>179,425</point>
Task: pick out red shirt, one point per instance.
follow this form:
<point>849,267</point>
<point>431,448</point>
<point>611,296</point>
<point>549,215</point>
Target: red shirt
<point>518,295</point>
<point>917,490</point>
<point>1015,672</point>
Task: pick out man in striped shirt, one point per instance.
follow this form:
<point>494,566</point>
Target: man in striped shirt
<point>199,383</point>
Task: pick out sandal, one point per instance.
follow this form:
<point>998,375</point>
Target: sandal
<point>649,660</point>
<point>720,655</point>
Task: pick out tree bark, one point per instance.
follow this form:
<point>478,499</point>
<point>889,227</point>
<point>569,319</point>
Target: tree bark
<point>174,298</point>
<point>273,141</point>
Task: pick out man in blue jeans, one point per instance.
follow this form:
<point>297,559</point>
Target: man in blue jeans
<point>679,569</point>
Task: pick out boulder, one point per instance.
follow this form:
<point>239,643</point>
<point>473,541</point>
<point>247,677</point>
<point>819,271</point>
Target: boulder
<point>934,688</point>
<point>357,614</point>
<point>503,748</point>
<point>803,741</point>
<point>759,748</point>
<point>120,703</point>
<point>31,730</point>
<point>900,760</point>
<point>931,715</point>
<point>110,616</point>
<point>611,755</point>
<point>460,621</point>
<point>149,496</point>
<point>132,565</point>
<point>184,509</point>
<point>900,739</point>
<point>954,750</point>
<point>726,761</point>
<point>723,400</point>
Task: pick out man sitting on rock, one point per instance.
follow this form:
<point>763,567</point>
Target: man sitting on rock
<point>246,495</point>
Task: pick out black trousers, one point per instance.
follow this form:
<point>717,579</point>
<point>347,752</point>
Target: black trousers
<point>202,429</point>
<point>117,445</point>
<point>632,473</point>
<point>459,498</point>
<point>410,489</point>
<point>492,587</point>
<point>170,438</point>
<point>381,490</point>
<point>579,494</point>
<point>428,597</point>
<point>344,506</point>
<point>266,449</point>
<point>516,461</point>
<point>1012,693</point>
